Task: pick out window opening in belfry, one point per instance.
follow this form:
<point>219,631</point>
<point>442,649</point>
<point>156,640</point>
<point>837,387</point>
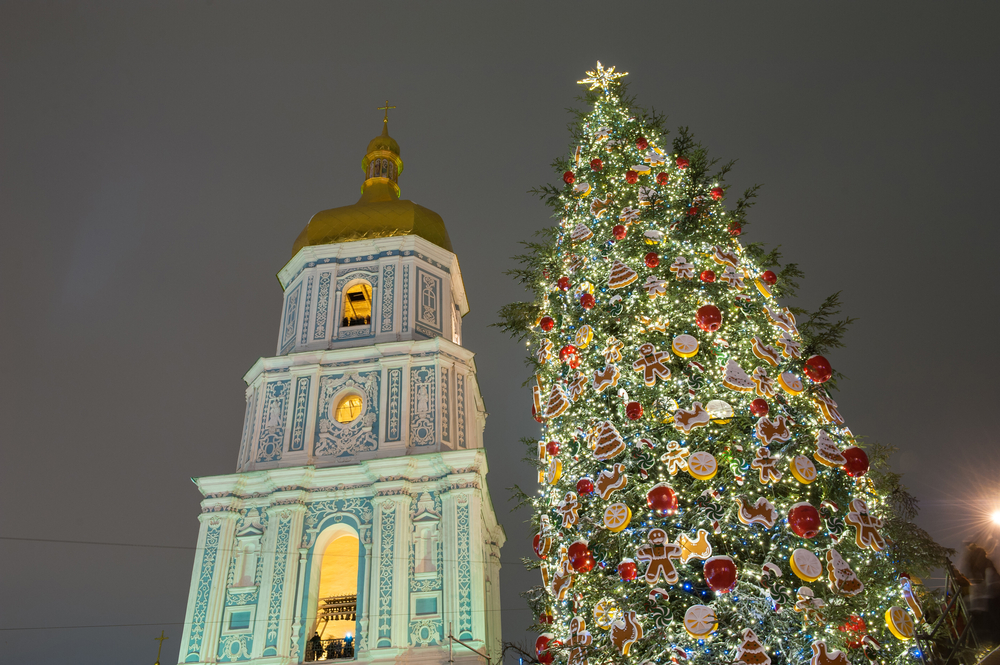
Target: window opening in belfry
<point>357,306</point>
<point>337,611</point>
<point>348,408</point>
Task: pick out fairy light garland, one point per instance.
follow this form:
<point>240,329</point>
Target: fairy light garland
<point>627,194</point>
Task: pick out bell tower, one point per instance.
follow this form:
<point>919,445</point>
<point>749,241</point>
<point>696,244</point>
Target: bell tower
<point>358,524</point>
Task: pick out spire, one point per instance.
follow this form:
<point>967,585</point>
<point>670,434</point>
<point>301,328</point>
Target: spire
<point>382,165</point>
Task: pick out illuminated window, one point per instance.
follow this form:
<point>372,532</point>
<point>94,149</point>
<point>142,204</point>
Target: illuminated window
<point>348,409</point>
<point>357,306</point>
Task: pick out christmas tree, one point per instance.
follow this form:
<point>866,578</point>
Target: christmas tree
<point>697,477</point>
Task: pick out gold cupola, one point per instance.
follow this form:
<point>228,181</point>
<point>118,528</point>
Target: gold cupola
<point>379,213</point>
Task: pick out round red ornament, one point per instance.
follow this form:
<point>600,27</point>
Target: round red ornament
<point>652,260</point>
<point>627,570</point>
<point>716,193</point>
<point>580,557</point>
<point>547,323</point>
<point>856,630</point>
<point>708,276</point>
<point>633,410</point>
<point>596,164</point>
<point>857,462</point>
<point>662,499</point>
<point>569,178</point>
<point>708,318</point>
<point>683,162</point>
<point>662,178</point>
<point>563,283</point>
<point>641,143</point>
<point>587,301</point>
<point>631,176</point>
<point>692,211</point>
<point>735,229</point>
<point>818,369</point>
<point>541,649</point>
<point>759,407</point>
<point>552,447</point>
<point>769,277</point>
<point>803,518</point>
<point>720,573</point>
<point>619,232</point>
<point>585,486</point>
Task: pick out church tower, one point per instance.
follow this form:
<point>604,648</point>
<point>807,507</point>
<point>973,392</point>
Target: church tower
<point>359,510</point>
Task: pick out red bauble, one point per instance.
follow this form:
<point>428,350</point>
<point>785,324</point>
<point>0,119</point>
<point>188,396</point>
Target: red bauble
<point>569,178</point>
<point>662,499</point>
<point>584,486</point>
<point>708,318</point>
<point>818,369</point>
<point>547,323</point>
<point>552,447</point>
<point>633,410</point>
<point>857,462</point>
<point>538,544</point>
<point>573,362</point>
<point>631,176</point>
<point>735,229</point>
<point>692,211</point>
<point>619,232</point>
<point>567,352</point>
<point>683,162</point>
<point>662,178</point>
<point>563,283</point>
<point>856,630</point>
<point>720,573</point>
<point>804,520</point>
<point>641,143</point>
<point>587,301</point>
<point>580,557</point>
<point>652,260</point>
<point>541,645</point>
<point>769,277</point>
<point>716,193</point>
<point>759,407</point>
<point>596,164</point>
<point>628,570</point>
<point>708,276</point>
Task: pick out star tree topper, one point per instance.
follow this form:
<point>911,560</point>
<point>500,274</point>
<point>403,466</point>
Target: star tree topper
<point>601,77</point>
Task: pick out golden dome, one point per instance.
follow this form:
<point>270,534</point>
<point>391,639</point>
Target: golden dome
<point>379,213</point>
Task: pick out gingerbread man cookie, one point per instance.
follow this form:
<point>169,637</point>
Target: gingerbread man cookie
<point>733,278</point>
<point>577,386</point>
<point>578,643</point>
<point>544,353</point>
<point>658,555</point>
<point>767,466</point>
<point>569,508</point>
<point>866,527</point>
<point>675,457</point>
<point>652,364</point>
<point>762,382</point>
<point>682,269</point>
<point>613,350</point>
<point>655,287</point>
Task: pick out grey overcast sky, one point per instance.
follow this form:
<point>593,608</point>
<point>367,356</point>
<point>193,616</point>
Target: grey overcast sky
<point>157,160</point>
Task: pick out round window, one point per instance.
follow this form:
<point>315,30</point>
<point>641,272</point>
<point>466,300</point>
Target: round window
<point>348,409</point>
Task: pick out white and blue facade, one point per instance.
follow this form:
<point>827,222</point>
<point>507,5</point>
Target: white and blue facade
<point>406,477</point>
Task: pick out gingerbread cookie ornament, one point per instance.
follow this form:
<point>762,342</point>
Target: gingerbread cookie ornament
<point>700,621</point>
<point>611,480</point>
<point>651,364</point>
<point>659,554</point>
<point>606,378</point>
<point>823,656</point>
<point>766,466</point>
<point>866,527</point>
<point>842,578</point>
<point>675,458</point>
<point>625,632</point>
<point>827,451</point>
<point>751,651</point>
<point>606,442</point>
<point>568,508</point>
<point>760,512</point>
<point>687,419</point>
<point>698,548</point>
<point>621,275</point>
<point>578,642</point>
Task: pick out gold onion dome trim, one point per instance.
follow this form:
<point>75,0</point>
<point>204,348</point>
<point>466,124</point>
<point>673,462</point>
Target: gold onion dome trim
<point>379,213</point>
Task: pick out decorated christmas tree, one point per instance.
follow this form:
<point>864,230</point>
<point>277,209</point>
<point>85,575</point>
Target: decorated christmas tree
<point>697,478</point>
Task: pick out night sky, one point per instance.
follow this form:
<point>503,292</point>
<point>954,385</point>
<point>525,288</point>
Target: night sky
<point>158,160</point>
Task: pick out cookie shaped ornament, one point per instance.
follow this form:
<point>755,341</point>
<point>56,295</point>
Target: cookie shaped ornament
<point>823,656</point>
<point>659,554</point>
<point>616,517</point>
<point>842,578</point>
<point>621,275</point>
<point>719,411</point>
<point>702,465</point>
<point>790,383</point>
<point>806,565</point>
<point>735,378</point>
<point>688,419</point>
<point>866,527</point>
<point>606,612</point>
<point>606,442</point>
<point>803,470</point>
<point>827,451</point>
<point>751,652</point>
<point>625,632</point>
<point>685,346</point>
<point>899,622</point>
<point>610,481</point>
<point>652,364</point>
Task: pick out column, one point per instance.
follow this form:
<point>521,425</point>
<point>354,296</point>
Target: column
<point>208,587</point>
<point>275,613</point>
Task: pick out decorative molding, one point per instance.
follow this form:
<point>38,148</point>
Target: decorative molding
<point>464,534</point>
<point>366,273</point>
<point>406,298</point>
<point>359,435</point>
<point>299,414</point>
<point>430,302</point>
<point>445,406</point>
<point>423,406</point>
<point>322,305</point>
<point>271,439</point>
<point>291,318</point>
<point>460,409</point>
<point>305,314</point>
<point>395,404</point>
<point>385,573</point>
<point>388,292</point>
<point>277,584</point>
<point>207,572</point>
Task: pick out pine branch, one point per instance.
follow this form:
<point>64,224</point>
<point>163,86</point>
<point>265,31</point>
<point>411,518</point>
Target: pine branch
<point>516,319</point>
<point>820,331</point>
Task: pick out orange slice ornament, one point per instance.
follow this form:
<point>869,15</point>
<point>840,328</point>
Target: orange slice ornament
<point>803,469</point>
<point>699,621</point>
<point>616,517</point>
<point>806,565</point>
<point>686,346</point>
<point>900,622</point>
<point>606,612</point>
<point>702,465</point>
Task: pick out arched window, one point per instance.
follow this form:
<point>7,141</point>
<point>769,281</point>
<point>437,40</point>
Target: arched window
<point>357,309</point>
<point>336,608</point>
<point>348,408</point>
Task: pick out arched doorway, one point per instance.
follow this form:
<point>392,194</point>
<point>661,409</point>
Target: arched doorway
<point>336,595</point>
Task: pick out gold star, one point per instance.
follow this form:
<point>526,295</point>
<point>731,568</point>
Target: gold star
<point>601,77</point>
